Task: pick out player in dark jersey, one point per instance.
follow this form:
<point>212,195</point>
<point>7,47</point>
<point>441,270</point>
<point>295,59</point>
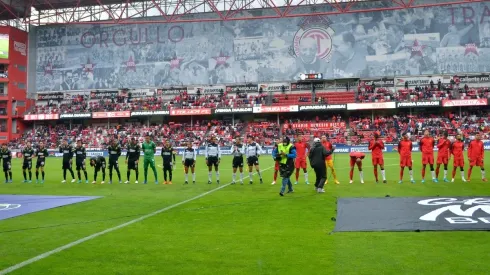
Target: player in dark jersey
<point>189,161</point>
<point>99,164</point>
<point>80,156</point>
<point>41,154</point>
<point>238,151</point>
<point>132,158</point>
<point>213,158</point>
<point>28,154</point>
<point>168,161</point>
<point>114,154</point>
<point>67,151</point>
<point>6,155</point>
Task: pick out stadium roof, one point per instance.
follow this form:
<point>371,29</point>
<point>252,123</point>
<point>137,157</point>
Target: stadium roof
<point>43,12</point>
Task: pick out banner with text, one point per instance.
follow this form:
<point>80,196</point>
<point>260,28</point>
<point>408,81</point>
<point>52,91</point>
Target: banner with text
<point>382,82</point>
<point>103,94</point>
<point>111,114</point>
<point>42,117</point>
<point>190,112</point>
<point>274,87</point>
<point>72,116</point>
<point>244,110</point>
<point>172,91</point>
<point>418,104</point>
<point>241,89</point>
<point>307,86</point>
<point>275,109</point>
<point>209,90</point>
<point>371,106</point>
<point>150,113</point>
<point>322,107</point>
<point>313,125</point>
<point>464,102</point>
<point>50,96</point>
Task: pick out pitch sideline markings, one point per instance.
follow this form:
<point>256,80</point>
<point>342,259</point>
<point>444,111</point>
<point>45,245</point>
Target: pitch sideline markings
<point>95,235</point>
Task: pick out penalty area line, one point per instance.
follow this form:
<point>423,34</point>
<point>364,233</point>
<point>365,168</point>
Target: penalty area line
<point>95,235</point>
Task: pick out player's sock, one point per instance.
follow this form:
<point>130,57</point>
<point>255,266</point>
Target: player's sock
<point>423,173</point>
<point>437,172</point>
<point>454,172</point>
<point>482,173</point>
<point>137,174</point>
<point>170,174</point>
<point>401,173</point>
<point>376,173</point>
<point>128,174</point>
<point>30,175</point>
<point>165,175</point>
<point>42,174</point>
<point>383,174</point>
<point>217,175</point>
<point>433,174</point>
<point>6,176</point>
<point>351,174</point>
<point>469,172</point>
<point>71,173</point>
<point>64,174</point>
<point>233,177</point>
<point>210,176</point>
<point>241,177</point>
<point>260,175</point>
<point>306,176</point>
<point>186,177</point>
<point>250,176</point>
<point>85,174</point>
<point>275,175</point>
<point>445,173</point>
<point>146,175</point>
<point>79,175</point>
<point>462,174</point>
<point>411,174</point>
<point>37,175</point>
<point>193,176</point>
<point>334,174</point>
<point>361,175</point>
<point>10,174</point>
<point>25,174</point>
<point>297,175</point>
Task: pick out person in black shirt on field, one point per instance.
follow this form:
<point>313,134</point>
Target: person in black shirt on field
<point>132,158</point>
<point>114,154</point>
<point>168,159</point>
<point>238,151</point>
<point>80,156</point>
<point>28,154</point>
<point>67,151</point>
<point>7,160</point>
<point>42,154</point>
<point>189,161</point>
<point>99,164</point>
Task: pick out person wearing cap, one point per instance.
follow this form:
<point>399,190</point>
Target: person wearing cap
<point>285,155</point>
<point>317,156</point>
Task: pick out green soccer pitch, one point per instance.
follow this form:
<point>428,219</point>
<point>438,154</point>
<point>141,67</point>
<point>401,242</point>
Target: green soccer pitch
<point>237,229</point>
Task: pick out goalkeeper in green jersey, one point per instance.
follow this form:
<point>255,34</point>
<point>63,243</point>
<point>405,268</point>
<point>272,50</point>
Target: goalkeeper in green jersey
<point>149,150</point>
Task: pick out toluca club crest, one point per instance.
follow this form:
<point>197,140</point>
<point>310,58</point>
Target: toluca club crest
<point>313,40</point>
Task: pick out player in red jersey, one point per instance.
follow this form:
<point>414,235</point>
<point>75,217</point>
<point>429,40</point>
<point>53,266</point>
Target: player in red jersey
<point>376,146</point>
<point>301,154</point>
<point>276,166</point>
<point>443,154</point>
<point>457,149</point>
<point>426,145</point>
<point>356,158</point>
<point>329,160</point>
<point>405,151</point>
<point>476,154</point>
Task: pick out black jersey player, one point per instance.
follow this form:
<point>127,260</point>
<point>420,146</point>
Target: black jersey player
<point>41,154</point>
<point>28,153</point>
<point>80,156</point>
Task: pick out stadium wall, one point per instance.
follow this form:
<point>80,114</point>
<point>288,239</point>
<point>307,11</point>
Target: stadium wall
<point>447,39</point>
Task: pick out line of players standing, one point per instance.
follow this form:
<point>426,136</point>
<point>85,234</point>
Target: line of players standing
<point>446,148</point>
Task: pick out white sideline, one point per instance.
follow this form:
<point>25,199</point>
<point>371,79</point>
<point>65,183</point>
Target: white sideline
<point>95,235</point>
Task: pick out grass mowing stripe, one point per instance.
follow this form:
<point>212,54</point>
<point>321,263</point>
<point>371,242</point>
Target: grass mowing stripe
<point>95,235</point>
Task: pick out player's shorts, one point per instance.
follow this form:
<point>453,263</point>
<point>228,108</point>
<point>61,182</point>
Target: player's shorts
<point>132,165</point>
<point>66,164</point>
<point>276,166</point>
<point>40,164</point>
<point>237,162</point>
<point>6,167</point>
<point>442,159</point>
<point>330,163</point>
<point>405,161</point>
<point>378,161</point>
<point>213,161</point>
<point>167,166</point>
<point>476,162</point>
<point>458,162</point>
<point>252,161</point>
<point>27,165</point>
<point>353,162</point>
<point>113,164</point>
<point>300,163</point>
<point>189,163</point>
<point>427,159</point>
<point>81,165</point>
